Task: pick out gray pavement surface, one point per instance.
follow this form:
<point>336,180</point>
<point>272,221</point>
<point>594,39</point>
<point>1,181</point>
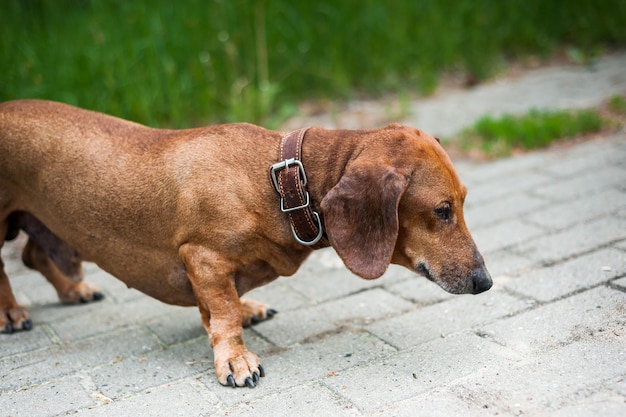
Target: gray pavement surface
<point>549,339</point>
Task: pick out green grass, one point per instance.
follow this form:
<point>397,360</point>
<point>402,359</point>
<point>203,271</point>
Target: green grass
<point>499,136</point>
<point>192,62</point>
<point>617,104</point>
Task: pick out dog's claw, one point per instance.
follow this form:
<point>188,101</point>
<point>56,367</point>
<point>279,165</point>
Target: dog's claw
<point>17,324</point>
<point>96,296</point>
<point>255,377</point>
<point>231,381</point>
<point>254,320</point>
<point>250,383</point>
<point>8,329</point>
<point>270,312</point>
<point>27,325</point>
<point>261,371</point>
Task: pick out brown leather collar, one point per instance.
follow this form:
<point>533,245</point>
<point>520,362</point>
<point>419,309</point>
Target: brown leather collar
<point>289,179</point>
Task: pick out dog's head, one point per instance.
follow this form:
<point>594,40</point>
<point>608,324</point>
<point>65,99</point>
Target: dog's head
<point>400,200</point>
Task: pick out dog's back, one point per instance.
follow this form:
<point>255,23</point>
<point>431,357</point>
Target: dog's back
<point>132,194</point>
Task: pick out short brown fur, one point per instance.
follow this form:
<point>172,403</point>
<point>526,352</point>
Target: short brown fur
<point>190,216</point>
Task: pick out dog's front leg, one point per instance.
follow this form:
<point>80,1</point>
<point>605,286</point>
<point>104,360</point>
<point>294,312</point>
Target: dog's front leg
<point>213,282</point>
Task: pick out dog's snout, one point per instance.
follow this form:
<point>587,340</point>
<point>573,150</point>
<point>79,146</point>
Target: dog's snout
<point>481,281</point>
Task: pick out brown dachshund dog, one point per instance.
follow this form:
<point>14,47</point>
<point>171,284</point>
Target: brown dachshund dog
<point>192,217</point>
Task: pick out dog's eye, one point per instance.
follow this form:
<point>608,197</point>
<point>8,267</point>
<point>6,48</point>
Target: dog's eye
<point>444,212</point>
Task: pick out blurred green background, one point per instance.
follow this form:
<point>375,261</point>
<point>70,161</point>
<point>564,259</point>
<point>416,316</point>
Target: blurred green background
<point>192,62</point>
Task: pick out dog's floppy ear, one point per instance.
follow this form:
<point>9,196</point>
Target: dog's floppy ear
<point>361,217</point>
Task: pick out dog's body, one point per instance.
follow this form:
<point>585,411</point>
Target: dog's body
<point>190,217</point>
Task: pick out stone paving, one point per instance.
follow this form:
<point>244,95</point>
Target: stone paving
<point>549,339</point>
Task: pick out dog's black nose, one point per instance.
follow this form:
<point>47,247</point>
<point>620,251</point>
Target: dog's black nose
<point>481,281</point>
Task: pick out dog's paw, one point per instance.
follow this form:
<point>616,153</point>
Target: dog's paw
<point>236,366</point>
<point>14,318</point>
<point>80,292</point>
<point>254,312</point>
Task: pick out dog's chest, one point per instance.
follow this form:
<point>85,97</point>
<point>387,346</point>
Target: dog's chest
<point>253,276</point>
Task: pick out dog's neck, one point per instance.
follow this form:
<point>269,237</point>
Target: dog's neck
<point>325,155</point>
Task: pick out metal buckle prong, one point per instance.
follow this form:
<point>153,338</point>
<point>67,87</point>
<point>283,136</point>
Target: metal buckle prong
<point>284,165</point>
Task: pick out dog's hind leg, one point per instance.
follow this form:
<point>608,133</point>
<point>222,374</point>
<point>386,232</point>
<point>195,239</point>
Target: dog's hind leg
<point>70,291</point>
<point>254,312</point>
<point>12,316</point>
